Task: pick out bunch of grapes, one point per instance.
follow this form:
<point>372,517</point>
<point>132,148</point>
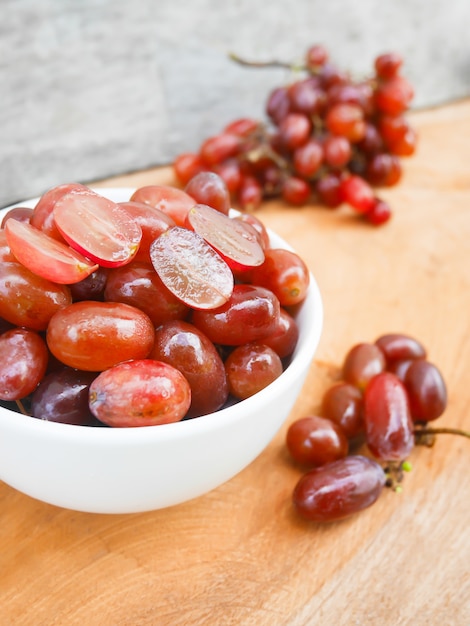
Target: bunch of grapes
<point>388,393</point>
<point>329,138</point>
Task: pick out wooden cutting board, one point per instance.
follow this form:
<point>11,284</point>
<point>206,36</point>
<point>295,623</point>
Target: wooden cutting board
<point>239,555</point>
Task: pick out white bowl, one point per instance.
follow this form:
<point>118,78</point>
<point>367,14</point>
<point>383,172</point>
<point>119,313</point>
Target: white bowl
<point>128,470</point>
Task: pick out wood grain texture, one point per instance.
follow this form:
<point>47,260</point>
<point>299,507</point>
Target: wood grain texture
<point>238,555</point>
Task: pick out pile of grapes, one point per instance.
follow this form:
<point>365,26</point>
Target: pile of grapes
<point>388,393</point>
<point>329,138</point>
<point>141,312</point>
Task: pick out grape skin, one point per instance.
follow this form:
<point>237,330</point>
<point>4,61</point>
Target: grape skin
<point>338,489</point>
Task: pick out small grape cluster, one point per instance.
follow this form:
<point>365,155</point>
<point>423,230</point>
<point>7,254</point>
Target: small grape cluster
<point>388,392</point>
<point>329,138</point>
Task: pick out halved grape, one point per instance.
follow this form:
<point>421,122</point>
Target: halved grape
<point>191,269</point>
<point>46,256</point>
<point>236,241</point>
<point>97,227</point>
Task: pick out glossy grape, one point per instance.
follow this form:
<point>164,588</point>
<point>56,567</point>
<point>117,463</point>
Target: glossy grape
<point>427,391</point>
<point>140,393</point>
<point>339,489</point>
<point>62,396</point>
<point>186,348</point>
<point>342,403</point>
<point>250,314</point>
<point>140,286</point>
<point>285,274</point>
<point>173,202</point>
<point>152,222</point>
<point>23,363</point>
<point>315,441</point>
<point>285,336</point>
<point>250,368</point>
<point>361,363</point>
<point>398,346</point>
<point>27,299</point>
<point>388,424</point>
<point>94,336</point>
<point>209,188</point>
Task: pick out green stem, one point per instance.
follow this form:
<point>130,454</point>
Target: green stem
<point>441,431</point>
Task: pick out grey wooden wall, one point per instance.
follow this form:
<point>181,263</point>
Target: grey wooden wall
<point>93,88</point>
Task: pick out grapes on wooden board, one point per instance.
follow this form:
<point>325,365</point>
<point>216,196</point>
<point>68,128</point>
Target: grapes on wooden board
<point>141,392</point>
<point>322,124</point>
<point>384,407</point>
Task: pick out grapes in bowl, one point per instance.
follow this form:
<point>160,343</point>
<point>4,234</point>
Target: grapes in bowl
<point>107,461</point>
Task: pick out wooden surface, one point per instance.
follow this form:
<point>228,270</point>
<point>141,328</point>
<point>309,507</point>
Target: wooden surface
<point>238,555</point>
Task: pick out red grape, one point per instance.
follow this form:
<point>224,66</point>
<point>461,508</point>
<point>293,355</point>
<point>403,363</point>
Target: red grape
<point>389,429</point>
<point>251,314</point>
<point>140,393</point>
<point>426,389</point>
<point>174,202</point>
<point>209,188</point>
<point>250,368</point>
<point>23,364</point>
<point>343,404</point>
<point>315,441</point>
<point>339,489</point>
<point>361,363</point>
<point>185,347</point>
<point>94,336</point>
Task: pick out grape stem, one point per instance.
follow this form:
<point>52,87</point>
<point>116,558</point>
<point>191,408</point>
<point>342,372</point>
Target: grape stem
<point>266,64</point>
<point>20,406</point>
<point>425,432</point>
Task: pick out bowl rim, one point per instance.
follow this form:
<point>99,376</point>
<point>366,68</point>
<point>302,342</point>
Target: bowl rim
<point>298,365</point>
